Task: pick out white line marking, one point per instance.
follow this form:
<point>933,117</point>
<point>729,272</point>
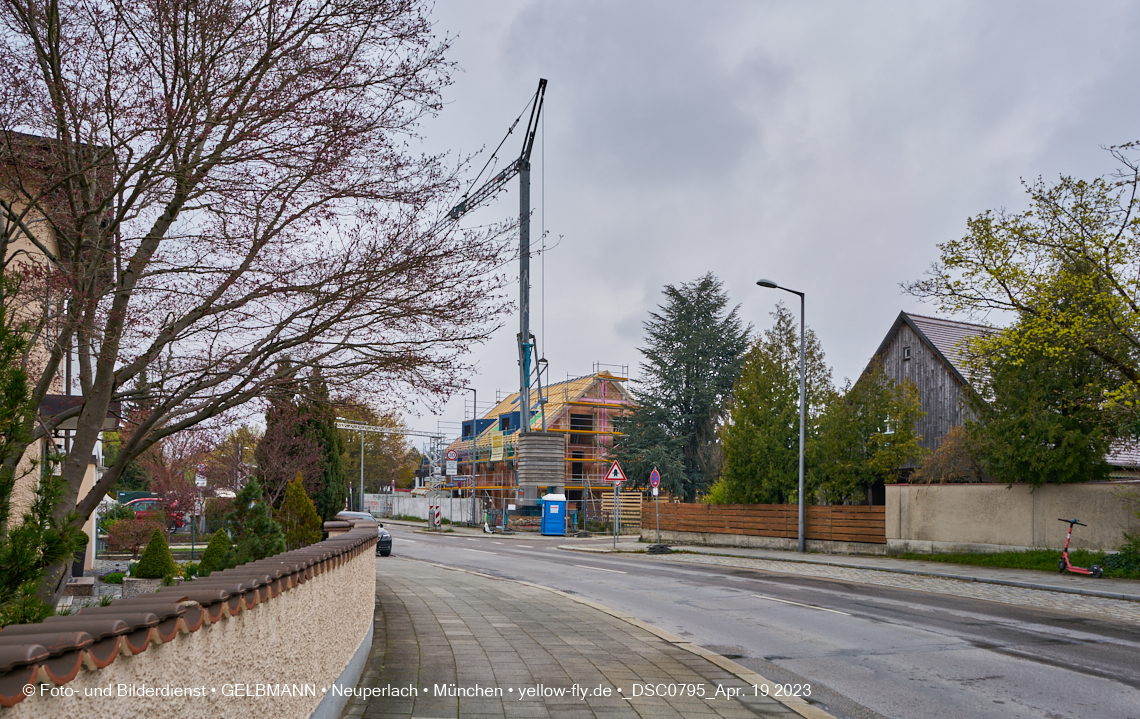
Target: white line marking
<point>480,551</point>
<point>586,566</point>
<point>524,546</point>
<point>809,606</point>
<point>409,541</point>
<point>494,542</point>
<point>469,539</point>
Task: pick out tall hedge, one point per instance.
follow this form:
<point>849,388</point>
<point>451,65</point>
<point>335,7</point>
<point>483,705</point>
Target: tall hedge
<point>156,561</point>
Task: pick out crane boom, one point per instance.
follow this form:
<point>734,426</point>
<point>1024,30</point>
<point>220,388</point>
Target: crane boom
<point>490,188</point>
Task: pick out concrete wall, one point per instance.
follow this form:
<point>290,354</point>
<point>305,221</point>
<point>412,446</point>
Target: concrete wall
<point>305,636</point>
<point>998,517</point>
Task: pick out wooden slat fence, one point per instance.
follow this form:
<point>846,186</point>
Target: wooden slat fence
<point>836,523</point>
<point>632,508</point>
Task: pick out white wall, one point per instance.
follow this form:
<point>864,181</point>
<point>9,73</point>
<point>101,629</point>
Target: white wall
<point>458,509</point>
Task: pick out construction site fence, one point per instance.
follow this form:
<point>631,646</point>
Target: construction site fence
<point>830,523</point>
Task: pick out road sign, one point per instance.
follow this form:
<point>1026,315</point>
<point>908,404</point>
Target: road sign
<point>615,474</point>
<point>655,479</point>
<point>452,466</point>
<point>655,494</point>
<point>452,455</point>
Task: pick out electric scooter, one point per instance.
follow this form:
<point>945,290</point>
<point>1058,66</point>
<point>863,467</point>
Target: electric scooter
<point>1065,565</point>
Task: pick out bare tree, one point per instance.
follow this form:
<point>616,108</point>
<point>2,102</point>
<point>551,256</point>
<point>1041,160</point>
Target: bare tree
<point>199,189</point>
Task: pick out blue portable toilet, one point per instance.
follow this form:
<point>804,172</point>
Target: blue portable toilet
<point>554,515</point>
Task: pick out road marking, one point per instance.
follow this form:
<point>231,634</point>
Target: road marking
<point>586,566</point>
<point>409,541</point>
<point>469,539</point>
<point>480,551</point>
<point>494,542</point>
<point>524,546</point>
<point>809,606</point>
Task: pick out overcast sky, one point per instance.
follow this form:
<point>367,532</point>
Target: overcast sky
<point>827,146</point>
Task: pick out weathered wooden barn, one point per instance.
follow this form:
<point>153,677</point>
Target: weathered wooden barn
<point>928,351</point>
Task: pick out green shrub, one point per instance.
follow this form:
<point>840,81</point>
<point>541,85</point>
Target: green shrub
<point>114,577</point>
<point>131,569</point>
<point>215,558</point>
<point>190,570</point>
<point>156,561</point>
<point>115,513</point>
<point>1128,558</point>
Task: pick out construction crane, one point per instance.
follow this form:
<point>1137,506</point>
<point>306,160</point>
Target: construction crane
<point>483,194</point>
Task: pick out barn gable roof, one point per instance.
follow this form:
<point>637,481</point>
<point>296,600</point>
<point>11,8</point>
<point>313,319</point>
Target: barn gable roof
<point>944,337</point>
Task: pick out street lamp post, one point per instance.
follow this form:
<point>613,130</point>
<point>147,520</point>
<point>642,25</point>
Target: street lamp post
<point>801,547</point>
<point>361,498</point>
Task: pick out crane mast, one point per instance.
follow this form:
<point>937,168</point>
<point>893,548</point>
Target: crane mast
<point>521,167</point>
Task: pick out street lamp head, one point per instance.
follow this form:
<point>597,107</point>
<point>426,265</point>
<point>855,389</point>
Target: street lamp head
<point>767,283</point>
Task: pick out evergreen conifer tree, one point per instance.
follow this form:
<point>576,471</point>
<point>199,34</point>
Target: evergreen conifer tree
<point>761,436</point>
<point>694,351</point>
<point>256,535</point>
<point>320,425</point>
<point>298,517</point>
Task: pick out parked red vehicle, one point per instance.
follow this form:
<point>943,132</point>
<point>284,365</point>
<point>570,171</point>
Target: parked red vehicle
<point>151,508</point>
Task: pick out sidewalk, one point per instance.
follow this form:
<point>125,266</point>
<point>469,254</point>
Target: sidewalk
<point>452,643</point>
<point>1068,583</point>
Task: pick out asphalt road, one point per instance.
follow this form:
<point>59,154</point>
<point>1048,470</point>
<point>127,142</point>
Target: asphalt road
<point>866,651</point>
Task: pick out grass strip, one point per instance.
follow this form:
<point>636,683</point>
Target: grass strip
<point>1045,560</point>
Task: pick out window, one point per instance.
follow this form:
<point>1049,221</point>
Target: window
<point>906,353</point>
<point>578,469</point>
<point>580,423</point>
<point>889,426</point>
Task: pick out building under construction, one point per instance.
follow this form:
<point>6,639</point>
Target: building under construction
<point>507,467</point>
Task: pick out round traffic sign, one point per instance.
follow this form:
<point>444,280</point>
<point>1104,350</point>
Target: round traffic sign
<point>654,478</point>
<point>452,455</point>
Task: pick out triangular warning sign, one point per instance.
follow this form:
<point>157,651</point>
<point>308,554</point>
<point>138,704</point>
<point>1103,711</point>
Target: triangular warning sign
<point>615,474</point>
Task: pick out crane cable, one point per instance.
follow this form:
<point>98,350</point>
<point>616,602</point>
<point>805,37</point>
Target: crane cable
<point>494,154</point>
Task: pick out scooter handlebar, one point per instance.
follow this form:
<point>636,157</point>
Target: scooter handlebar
<point>1073,521</point>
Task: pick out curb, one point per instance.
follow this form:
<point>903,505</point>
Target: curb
<point>796,704</point>
<point>913,572</point>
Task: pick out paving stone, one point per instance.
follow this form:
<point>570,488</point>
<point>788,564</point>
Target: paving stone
<point>436,626</point>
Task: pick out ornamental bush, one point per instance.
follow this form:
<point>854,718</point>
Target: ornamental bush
<point>215,558</point>
<point>130,535</point>
<point>156,561</point>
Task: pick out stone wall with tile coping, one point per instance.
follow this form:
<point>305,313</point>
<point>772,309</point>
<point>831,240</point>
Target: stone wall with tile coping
<point>294,620</point>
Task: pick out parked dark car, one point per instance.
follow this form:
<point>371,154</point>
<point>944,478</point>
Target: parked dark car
<point>384,543</point>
